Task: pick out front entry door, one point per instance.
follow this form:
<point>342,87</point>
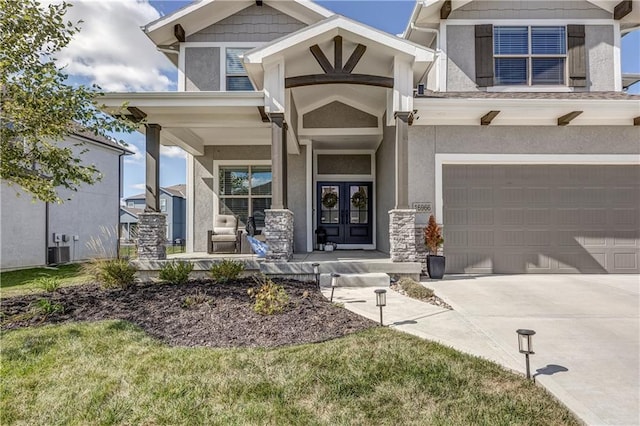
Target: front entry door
<point>345,211</point>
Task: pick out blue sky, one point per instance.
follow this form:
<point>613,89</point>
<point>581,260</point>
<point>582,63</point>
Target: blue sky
<point>390,16</point>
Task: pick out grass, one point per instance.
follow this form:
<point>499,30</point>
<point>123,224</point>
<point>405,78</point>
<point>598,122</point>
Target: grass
<point>16,283</point>
<point>113,373</point>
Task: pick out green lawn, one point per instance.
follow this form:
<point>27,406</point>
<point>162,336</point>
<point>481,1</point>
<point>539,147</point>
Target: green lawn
<point>113,373</point>
<point>15,283</point>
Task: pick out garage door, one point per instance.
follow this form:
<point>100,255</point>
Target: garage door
<point>541,218</point>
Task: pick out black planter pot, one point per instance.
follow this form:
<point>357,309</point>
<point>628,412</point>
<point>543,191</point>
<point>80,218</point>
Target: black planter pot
<point>435,266</point>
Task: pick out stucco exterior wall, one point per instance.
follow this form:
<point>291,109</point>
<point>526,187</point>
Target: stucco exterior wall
<point>22,230</point>
<point>84,213</point>
<point>202,68</point>
<point>516,9</point>
<point>255,23</point>
<point>599,47</point>
<point>461,66</point>
<point>338,115</point>
<point>385,186</point>
<point>297,198</point>
<point>461,62</point>
<point>426,141</point>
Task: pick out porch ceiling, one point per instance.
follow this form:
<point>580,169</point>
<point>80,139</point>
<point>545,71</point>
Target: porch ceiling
<point>193,120</point>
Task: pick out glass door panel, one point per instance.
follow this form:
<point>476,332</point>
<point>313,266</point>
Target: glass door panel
<point>330,204</point>
<point>359,204</point>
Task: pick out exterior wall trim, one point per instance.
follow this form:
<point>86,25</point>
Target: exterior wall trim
<point>528,159</point>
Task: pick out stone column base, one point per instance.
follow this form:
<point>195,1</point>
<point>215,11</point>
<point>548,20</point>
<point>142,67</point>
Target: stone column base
<point>278,230</point>
<point>152,236</point>
<point>402,235</point>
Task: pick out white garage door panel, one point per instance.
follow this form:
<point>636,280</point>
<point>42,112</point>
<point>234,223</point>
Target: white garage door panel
<point>542,218</point>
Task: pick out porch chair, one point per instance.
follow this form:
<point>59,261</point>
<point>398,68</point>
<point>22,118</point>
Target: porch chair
<point>225,236</point>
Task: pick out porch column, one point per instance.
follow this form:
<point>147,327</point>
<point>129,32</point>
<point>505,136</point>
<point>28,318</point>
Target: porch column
<point>152,223</point>
<point>402,219</point>
<point>278,220</point>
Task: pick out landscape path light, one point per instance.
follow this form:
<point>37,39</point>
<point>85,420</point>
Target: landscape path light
<point>334,283</point>
<point>381,300</point>
<point>316,272</point>
<point>524,345</point>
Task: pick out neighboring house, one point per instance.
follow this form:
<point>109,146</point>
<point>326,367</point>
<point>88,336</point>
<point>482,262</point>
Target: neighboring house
<point>34,233</point>
<point>505,119</point>
<point>172,202</point>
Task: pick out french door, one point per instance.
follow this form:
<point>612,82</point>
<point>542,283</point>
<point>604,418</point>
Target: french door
<point>345,211</point>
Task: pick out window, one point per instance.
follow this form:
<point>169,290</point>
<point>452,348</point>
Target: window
<point>244,189</point>
<point>163,204</point>
<point>130,204</point>
<point>530,55</point>
<point>236,75</point>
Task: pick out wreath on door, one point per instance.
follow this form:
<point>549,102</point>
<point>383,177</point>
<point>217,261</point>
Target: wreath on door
<point>330,199</point>
<point>359,199</point>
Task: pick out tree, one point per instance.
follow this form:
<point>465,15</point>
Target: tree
<point>39,108</point>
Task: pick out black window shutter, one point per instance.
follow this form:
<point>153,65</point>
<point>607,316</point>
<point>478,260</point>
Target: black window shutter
<point>576,56</point>
<point>484,55</point>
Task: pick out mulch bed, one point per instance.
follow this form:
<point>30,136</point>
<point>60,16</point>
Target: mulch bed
<point>225,320</point>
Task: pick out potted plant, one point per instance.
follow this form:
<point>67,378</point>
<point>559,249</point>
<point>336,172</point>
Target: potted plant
<point>433,240</point>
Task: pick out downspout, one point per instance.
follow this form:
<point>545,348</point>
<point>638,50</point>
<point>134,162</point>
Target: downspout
<point>46,233</point>
<point>438,50</point>
<point>119,232</point>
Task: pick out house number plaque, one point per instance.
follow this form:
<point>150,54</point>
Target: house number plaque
<point>423,207</point>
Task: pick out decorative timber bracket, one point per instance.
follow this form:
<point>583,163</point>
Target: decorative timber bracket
<point>336,73</point>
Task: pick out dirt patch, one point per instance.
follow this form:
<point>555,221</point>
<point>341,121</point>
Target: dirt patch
<point>216,315</point>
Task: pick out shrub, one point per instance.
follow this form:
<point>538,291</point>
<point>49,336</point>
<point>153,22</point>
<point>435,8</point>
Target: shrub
<point>46,307</point>
<point>226,270</point>
<point>111,273</point>
<point>176,272</point>
<point>48,284</point>
<point>414,289</point>
<point>195,300</point>
<point>270,298</point>
<point>433,236</point>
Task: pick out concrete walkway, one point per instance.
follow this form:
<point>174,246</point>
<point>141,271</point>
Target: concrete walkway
<point>588,336</point>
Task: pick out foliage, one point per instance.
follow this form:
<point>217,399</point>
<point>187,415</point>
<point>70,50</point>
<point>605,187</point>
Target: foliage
<point>226,270</point>
<point>414,289</point>
<point>270,298</point>
<point>111,273</point>
<point>39,108</point>
<point>433,236</point>
<point>48,284</point>
<point>176,272</point>
<point>193,301</point>
<point>46,307</point>
<point>359,199</point>
<point>330,199</point>
<point>377,377</point>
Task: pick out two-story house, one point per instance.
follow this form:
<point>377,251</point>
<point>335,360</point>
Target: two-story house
<point>172,203</point>
<point>507,120</point>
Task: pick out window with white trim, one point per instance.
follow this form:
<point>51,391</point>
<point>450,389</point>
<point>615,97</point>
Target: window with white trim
<point>130,204</point>
<point>530,55</point>
<point>236,75</point>
<point>243,190</point>
<point>163,204</point>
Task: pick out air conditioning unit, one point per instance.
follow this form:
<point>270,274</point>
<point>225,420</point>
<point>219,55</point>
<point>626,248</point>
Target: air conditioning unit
<point>58,255</point>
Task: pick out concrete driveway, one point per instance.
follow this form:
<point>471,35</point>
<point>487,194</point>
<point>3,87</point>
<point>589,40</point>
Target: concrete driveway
<point>588,336</point>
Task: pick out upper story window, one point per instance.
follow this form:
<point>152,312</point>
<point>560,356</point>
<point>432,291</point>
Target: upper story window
<point>236,75</point>
<point>163,204</point>
<point>530,55</point>
<point>130,204</point>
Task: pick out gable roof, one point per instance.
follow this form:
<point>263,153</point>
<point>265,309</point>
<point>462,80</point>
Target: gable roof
<point>179,190</point>
<point>198,15</point>
<point>131,211</point>
<point>337,23</point>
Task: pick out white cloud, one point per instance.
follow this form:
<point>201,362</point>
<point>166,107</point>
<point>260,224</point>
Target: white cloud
<point>137,186</point>
<point>112,51</point>
<point>172,152</point>
<point>137,157</point>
